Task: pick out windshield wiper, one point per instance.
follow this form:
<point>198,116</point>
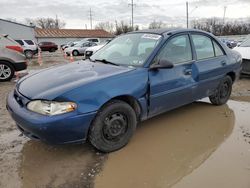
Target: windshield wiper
<point>106,62</point>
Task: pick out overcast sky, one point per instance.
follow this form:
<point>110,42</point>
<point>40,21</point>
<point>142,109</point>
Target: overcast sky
<point>76,12</point>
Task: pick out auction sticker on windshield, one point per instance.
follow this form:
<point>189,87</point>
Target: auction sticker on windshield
<point>151,36</point>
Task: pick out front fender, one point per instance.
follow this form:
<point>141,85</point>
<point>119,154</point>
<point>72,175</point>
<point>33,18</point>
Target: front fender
<point>90,97</point>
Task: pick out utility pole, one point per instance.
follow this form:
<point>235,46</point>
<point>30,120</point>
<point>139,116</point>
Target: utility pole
<point>224,16</point>
<point>90,18</point>
<point>132,9</point>
<point>187,14</point>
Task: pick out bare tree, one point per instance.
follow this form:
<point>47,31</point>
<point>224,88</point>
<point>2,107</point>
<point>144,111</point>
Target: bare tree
<point>217,27</point>
<point>107,26</point>
<point>156,25</point>
<point>123,27</point>
<point>46,23</point>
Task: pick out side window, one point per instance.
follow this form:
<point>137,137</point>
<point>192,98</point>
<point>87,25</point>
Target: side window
<point>29,42</point>
<point>203,47</point>
<point>94,40</point>
<point>177,50</point>
<point>20,42</point>
<point>217,49</point>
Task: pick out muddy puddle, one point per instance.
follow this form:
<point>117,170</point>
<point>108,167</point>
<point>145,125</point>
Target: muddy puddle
<point>199,145</point>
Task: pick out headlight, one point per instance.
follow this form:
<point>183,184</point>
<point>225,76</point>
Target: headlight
<point>51,107</point>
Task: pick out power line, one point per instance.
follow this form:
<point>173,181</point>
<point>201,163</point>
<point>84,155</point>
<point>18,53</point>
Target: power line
<point>224,15</point>
<point>132,4</point>
<point>90,17</point>
<point>187,14</point>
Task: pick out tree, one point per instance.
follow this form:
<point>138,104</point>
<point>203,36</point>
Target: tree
<point>46,23</point>
<point>217,27</point>
<point>107,26</point>
<point>123,27</point>
<point>156,25</point>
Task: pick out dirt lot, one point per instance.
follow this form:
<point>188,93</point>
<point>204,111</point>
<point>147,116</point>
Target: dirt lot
<point>199,145</point>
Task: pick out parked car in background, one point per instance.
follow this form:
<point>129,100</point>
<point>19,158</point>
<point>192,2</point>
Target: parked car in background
<point>244,50</point>
<point>230,43</point>
<point>95,40</point>
<point>91,50</point>
<point>11,58</point>
<point>69,44</point>
<point>30,48</point>
<point>135,77</point>
<point>79,48</point>
<point>48,46</point>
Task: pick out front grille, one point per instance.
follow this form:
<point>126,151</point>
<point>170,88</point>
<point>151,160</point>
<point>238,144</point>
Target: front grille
<point>18,98</point>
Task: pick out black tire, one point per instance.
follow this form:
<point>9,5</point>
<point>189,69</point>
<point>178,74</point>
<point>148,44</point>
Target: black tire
<point>223,92</point>
<point>28,54</point>
<point>52,50</point>
<point>75,53</point>
<point>11,72</point>
<point>113,126</point>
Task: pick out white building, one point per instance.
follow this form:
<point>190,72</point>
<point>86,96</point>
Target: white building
<point>17,30</point>
<point>58,36</point>
<point>62,36</point>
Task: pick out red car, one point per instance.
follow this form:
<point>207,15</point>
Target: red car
<point>48,46</point>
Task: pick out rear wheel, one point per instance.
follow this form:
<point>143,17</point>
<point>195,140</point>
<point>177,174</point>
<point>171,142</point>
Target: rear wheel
<point>113,126</point>
<point>52,50</point>
<point>223,92</point>
<point>75,53</point>
<point>6,71</point>
<point>28,54</point>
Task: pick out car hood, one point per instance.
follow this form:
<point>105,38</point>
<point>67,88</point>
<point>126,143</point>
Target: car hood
<point>53,82</point>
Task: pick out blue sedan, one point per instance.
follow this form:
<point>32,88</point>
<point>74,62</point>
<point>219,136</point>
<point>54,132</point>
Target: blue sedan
<point>135,77</point>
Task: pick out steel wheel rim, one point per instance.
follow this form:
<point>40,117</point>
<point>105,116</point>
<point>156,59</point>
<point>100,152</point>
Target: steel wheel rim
<point>115,127</point>
<point>29,54</point>
<point>224,90</point>
<point>5,72</point>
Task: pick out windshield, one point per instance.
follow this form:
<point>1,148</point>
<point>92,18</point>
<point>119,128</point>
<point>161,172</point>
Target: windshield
<point>246,43</point>
<point>129,50</point>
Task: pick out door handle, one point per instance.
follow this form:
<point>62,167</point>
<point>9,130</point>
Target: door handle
<point>223,63</point>
<point>188,71</point>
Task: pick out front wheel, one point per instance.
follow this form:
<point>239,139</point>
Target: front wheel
<point>6,71</point>
<point>113,126</point>
<point>75,53</point>
<point>223,92</point>
<point>28,54</point>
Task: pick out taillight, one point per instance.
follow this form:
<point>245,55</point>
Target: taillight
<point>15,48</point>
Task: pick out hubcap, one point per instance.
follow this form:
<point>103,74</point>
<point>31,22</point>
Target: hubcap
<point>5,72</point>
<point>224,90</point>
<point>115,126</point>
<point>29,54</point>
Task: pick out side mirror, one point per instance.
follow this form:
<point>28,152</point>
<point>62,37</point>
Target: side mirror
<point>162,64</point>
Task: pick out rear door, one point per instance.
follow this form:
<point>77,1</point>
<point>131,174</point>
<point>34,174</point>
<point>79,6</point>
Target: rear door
<point>170,88</point>
<point>210,64</point>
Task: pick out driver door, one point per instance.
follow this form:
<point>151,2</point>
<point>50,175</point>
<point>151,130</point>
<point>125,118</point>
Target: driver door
<point>170,88</point>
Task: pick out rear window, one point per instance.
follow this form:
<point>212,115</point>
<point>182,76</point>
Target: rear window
<point>93,40</point>
<point>29,42</point>
<point>19,42</point>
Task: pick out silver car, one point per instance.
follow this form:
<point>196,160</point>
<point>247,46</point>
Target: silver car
<point>12,58</point>
<point>79,48</point>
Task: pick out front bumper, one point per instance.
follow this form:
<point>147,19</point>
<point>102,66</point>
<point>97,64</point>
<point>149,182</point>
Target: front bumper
<point>246,67</point>
<point>59,129</point>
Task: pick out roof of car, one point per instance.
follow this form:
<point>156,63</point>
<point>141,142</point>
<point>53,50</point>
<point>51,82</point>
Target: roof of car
<point>166,30</point>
